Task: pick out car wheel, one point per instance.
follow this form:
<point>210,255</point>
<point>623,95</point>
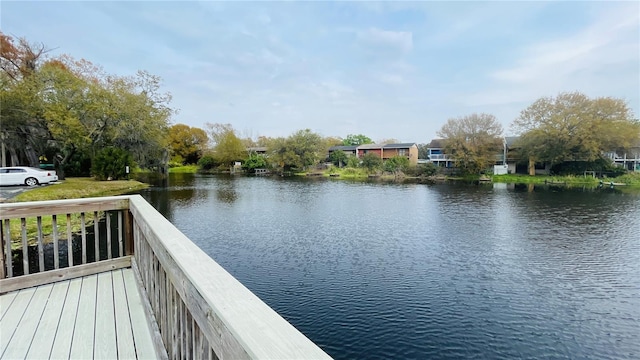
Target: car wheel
<point>31,181</point>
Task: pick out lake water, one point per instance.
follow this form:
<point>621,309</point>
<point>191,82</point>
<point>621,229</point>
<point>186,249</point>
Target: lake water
<point>373,270</point>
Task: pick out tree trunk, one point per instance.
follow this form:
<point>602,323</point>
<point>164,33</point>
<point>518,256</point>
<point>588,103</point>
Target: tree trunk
<point>14,156</point>
<point>59,164</point>
<point>32,157</point>
<point>532,166</point>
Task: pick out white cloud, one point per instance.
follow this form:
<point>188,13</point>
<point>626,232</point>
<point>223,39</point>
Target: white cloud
<point>609,46</point>
<point>390,79</point>
<point>401,40</point>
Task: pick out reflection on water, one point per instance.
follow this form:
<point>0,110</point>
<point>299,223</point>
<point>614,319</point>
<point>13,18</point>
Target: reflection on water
<point>371,270</point>
<point>226,192</point>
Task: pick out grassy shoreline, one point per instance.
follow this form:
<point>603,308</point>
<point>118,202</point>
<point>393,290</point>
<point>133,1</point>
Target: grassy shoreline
<point>628,179</point>
<point>70,188</point>
<point>189,169</point>
<point>632,179</point>
<point>73,188</point>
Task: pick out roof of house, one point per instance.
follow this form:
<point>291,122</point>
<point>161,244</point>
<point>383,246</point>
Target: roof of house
<point>371,146</point>
<point>257,148</point>
<point>344,148</point>
<point>436,143</point>
<point>399,146</point>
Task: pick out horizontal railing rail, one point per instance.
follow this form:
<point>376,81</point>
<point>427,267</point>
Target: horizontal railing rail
<point>202,311</point>
<point>46,241</point>
<point>440,157</point>
<point>198,309</point>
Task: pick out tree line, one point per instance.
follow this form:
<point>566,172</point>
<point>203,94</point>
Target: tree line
<point>570,130</point>
<point>71,113</point>
<point>565,130</point>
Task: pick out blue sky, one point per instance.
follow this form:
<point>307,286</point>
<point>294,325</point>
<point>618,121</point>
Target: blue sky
<point>384,69</point>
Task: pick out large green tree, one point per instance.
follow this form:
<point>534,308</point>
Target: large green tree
<point>63,107</point>
<point>22,134</point>
<point>473,141</point>
<point>371,161</point>
<point>356,139</point>
<point>396,163</point>
<point>574,127</point>
<point>338,158</point>
<point>187,143</point>
<point>254,161</point>
<point>302,149</point>
<point>227,146</point>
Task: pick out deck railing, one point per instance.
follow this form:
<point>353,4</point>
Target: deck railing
<point>440,157</point>
<point>47,241</point>
<point>198,310</point>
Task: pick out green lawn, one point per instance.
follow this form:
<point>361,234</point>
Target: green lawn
<point>632,179</point>
<point>184,169</point>
<point>70,188</point>
<point>73,188</point>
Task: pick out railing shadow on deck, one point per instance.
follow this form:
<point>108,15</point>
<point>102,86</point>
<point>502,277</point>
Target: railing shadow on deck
<point>196,308</point>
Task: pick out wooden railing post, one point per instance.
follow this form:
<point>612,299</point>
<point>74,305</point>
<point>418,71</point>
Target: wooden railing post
<point>128,232</point>
<point>2,260</point>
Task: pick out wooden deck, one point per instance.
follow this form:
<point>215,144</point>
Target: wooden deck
<point>100,316</point>
<point>134,287</point>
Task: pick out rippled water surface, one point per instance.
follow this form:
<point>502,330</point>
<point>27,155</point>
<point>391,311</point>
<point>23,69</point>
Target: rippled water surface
<point>371,270</point>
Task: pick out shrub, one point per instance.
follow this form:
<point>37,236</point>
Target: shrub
<point>396,163</point>
<point>176,160</point>
<point>353,161</point>
<point>111,163</point>
<point>207,162</point>
<point>338,158</point>
<point>629,179</point>
<point>254,161</point>
<point>600,166</point>
<point>428,169</point>
<point>79,165</point>
<point>371,161</point>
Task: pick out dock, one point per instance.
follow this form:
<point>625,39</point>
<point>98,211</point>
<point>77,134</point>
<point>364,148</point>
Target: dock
<point>112,278</point>
<point>96,316</point>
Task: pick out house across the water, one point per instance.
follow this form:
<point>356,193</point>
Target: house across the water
<point>384,151</point>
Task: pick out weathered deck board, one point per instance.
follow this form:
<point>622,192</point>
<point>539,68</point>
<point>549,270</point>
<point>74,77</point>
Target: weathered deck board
<point>84,331</point>
<point>5,302</point>
<point>46,332</point>
<point>28,324</point>
<point>67,320</point>
<point>139,323</point>
<point>126,348</point>
<point>98,316</point>
<point>105,340</point>
<point>12,317</point>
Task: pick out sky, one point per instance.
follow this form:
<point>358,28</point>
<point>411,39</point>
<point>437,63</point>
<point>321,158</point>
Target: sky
<point>388,70</point>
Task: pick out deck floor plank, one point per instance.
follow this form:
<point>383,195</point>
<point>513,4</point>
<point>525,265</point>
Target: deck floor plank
<point>21,340</point>
<point>105,346</point>
<point>43,340</point>
<point>15,313</point>
<point>126,347</point>
<point>139,324</point>
<point>5,302</point>
<point>64,331</point>
<point>96,316</point>
<point>84,331</point>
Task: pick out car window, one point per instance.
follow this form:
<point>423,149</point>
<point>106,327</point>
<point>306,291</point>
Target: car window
<point>17,170</point>
<point>4,171</point>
